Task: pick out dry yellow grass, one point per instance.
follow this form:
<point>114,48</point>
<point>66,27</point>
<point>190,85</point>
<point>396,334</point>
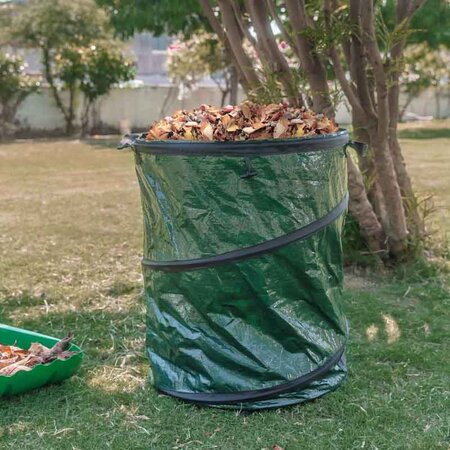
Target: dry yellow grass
<point>428,162</point>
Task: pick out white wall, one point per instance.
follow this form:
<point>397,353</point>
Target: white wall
<point>138,107</point>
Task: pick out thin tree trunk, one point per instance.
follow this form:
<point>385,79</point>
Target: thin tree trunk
<point>53,89</point>
<point>367,167</point>
<point>313,67</point>
<point>217,27</point>
<point>404,12</point>
<point>285,33</point>
<point>362,210</point>
<point>224,91</point>
<point>271,53</point>
<point>379,136</point>
<point>234,85</point>
<point>410,201</point>
<point>167,98</point>
<point>71,112</point>
<point>234,38</point>
<point>85,118</point>
<point>398,231</point>
<point>403,110</point>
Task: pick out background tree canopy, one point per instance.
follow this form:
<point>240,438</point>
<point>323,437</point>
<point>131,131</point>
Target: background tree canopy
<point>171,17</point>
<point>159,17</point>
<point>77,48</point>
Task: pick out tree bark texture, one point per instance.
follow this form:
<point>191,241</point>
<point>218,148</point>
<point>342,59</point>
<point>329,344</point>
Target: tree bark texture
<point>368,78</point>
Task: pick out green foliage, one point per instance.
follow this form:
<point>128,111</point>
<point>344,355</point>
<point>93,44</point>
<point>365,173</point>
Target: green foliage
<point>15,86</point>
<point>159,17</point>
<point>50,24</point>
<point>94,69</point>
<point>430,24</point>
<point>77,47</point>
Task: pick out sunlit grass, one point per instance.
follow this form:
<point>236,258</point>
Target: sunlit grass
<point>70,246</point>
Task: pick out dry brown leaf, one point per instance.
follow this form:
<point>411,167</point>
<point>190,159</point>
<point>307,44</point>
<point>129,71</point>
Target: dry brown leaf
<point>14,359</point>
<point>207,130</point>
<point>241,122</point>
<point>246,111</point>
<point>232,127</point>
<point>281,128</point>
<point>226,119</point>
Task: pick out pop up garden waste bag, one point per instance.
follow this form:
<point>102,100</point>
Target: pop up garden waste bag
<point>243,268</point>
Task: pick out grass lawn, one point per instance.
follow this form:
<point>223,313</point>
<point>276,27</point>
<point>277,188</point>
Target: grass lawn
<point>70,245</point>
<point>427,151</point>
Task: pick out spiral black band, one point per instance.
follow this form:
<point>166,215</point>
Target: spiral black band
<point>253,250</point>
<point>230,398</point>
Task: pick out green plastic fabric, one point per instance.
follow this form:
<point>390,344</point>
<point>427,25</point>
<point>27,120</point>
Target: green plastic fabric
<point>256,323</point>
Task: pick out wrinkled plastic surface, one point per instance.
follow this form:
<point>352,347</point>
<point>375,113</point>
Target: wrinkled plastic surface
<point>256,323</point>
<point>41,374</point>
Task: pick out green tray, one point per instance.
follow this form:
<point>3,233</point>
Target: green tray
<point>41,374</point>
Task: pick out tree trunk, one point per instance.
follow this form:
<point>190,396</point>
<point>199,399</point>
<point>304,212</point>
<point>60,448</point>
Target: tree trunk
<point>85,118</point>
<point>234,40</point>
<point>70,128</point>
<point>372,93</point>
<point>234,85</point>
<point>410,202</point>
<point>271,53</point>
<point>223,97</point>
<point>405,106</point>
<point>398,232</point>
<point>46,61</point>
<point>311,64</point>
<point>363,212</point>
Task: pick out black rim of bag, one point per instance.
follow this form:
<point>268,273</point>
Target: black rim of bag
<point>263,147</point>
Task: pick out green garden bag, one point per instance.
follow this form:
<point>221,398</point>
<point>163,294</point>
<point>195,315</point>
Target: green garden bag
<point>243,268</point>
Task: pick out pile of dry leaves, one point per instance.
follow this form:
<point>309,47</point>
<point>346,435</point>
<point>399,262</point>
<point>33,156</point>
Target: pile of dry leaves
<point>242,122</point>
<point>14,359</point>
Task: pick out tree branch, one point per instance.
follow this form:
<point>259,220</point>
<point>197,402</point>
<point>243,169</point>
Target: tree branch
<point>51,82</point>
<point>287,37</point>
<point>234,38</point>
<point>270,50</point>
<point>337,65</point>
<point>245,31</point>
<point>374,55</point>
<point>311,64</point>
<point>217,27</point>
<point>304,17</point>
<point>404,12</point>
<point>358,61</point>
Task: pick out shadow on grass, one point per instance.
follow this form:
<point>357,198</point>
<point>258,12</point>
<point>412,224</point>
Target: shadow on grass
<point>22,299</point>
<point>119,288</point>
<point>424,133</point>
